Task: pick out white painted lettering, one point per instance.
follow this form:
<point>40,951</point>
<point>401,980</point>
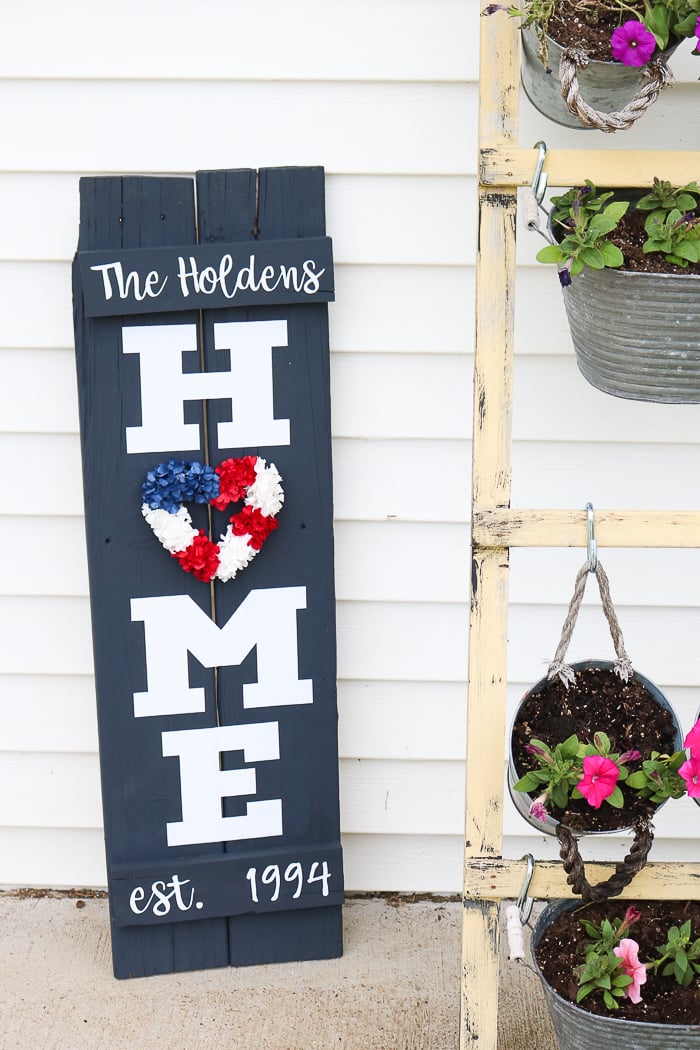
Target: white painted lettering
<point>159,900</point>
<point>204,784</point>
<point>248,385</point>
<point>125,286</point>
<point>175,625</point>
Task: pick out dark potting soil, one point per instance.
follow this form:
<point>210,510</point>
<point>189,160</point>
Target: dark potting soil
<point>588,25</point>
<point>561,950</point>
<point>598,701</point>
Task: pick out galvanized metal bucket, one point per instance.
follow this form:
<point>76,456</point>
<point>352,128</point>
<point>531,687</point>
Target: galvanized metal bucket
<point>576,1029</point>
<point>522,801</point>
<point>606,86</point>
<point>637,335</point>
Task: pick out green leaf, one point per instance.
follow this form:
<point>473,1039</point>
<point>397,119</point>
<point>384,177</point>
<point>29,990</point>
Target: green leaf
<point>530,782</point>
<point>657,246</point>
<point>637,780</point>
<point>593,258</point>
<point>551,253</point>
<point>687,250</point>
<point>616,799</point>
<point>569,749</point>
<point>609,1001</point>
<point>584,990</point>
<point>684,201</point>
<point>601,224</point>
<point>611,254</point>
<point>616,210</point>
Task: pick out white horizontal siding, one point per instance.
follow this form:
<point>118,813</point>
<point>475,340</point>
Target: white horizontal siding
<point>162,126</point>
<point>265,40</point>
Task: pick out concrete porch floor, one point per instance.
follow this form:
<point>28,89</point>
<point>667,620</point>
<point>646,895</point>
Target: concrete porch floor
<point>396,988</point>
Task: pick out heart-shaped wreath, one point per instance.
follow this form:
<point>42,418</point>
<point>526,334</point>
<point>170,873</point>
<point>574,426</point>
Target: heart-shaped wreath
<point>169,485</point>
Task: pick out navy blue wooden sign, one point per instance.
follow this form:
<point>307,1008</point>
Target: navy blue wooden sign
<point>205,431</point>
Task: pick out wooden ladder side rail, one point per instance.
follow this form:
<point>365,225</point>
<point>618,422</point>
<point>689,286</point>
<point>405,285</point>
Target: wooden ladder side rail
<point>488,878</point>
<point>491,463</point>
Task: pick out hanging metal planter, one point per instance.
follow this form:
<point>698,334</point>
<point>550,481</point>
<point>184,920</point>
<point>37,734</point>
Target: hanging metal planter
<point>636,334</point>
<point>580,92</point>
<point>576,1028</point>
<point>566,829</point>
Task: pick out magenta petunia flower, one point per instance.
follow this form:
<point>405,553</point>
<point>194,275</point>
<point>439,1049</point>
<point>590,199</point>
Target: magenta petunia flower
<point>692,741</point>
<point>690,771</point>
<point>599,779</point>
<point>627,952</point>
<point>632,43</point>
<point>697,30</point>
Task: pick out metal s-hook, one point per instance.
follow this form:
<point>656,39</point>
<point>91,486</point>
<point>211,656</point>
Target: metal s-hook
<point>592,546</point>
<point>533,195</point>
<point>518,914</point>
<point>539,179</point>
<point>525,902</point>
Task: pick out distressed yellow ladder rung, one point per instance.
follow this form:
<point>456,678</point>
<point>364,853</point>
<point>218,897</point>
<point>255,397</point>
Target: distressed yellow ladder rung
<point>503,166</point>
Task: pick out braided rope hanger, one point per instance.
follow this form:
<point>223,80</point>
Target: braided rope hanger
<point>656,75</point>
<point>636,858</point>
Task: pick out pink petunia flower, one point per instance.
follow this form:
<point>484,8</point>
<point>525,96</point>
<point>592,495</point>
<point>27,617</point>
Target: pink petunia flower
<point>599,779</point>
<point>537,810</point>
<point>632,43</point>
<point>627,951</point>
<point>697,30</point>
<point>692,741</point>
<point>690,771</point>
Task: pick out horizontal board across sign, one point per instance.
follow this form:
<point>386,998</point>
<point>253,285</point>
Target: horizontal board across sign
<point>230,884</point>
<point>204,276</point>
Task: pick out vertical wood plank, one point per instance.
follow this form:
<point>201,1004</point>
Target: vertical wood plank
<point>140,789</point>
<point>290,204</point>
<point>491,477</point>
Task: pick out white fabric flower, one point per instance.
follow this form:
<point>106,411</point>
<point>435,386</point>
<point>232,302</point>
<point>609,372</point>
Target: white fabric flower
<point>265,494</point>
<point>234,555</point>
<point>174,531</point>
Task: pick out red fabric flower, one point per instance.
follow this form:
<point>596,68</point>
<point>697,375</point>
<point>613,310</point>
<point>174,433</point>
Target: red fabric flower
<point>201,558</point>
<point>599,779</point>
<point>252,521</point>
<point>235,478</point>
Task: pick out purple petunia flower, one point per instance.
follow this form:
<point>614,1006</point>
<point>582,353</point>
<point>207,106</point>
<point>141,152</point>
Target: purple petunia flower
<point>632,43</point>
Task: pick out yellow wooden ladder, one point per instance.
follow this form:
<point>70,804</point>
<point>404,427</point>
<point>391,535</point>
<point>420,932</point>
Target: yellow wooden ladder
<point>503,166</point>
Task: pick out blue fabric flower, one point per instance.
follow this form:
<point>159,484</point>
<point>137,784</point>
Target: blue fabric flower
<point>171,484</point>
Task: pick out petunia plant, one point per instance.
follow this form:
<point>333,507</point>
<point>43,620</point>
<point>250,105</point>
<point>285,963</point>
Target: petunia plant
<point>584,222</point>
<point>645,27</point>
<point>575,769</point>
<point>612,966</point>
